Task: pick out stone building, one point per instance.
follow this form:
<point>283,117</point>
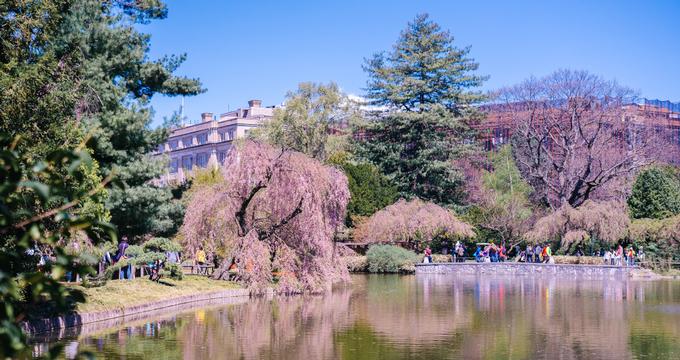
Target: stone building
<point>206,143</point>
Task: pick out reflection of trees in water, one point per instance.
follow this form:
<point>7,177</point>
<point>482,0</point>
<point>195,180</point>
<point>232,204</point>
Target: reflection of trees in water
<point>520,317</point>
<point>425,317</point>
<point>285,327</point>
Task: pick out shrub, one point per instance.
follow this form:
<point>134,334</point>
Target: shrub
<point>390,259</point>
<point>356,263</point>
<point>173,271</point>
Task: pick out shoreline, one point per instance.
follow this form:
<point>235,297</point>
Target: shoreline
<point>45,327</point>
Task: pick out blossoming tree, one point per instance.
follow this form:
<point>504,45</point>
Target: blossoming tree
<point>411,222</point>
<point>275,211</point>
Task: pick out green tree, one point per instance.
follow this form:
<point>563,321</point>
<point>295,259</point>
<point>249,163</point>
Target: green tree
<point>306,124</point>
<point>118,80</point>
<point>418,151</point>
<point>424,69</point>
<point>655,194</point>
<point>36,212</point>
<point>505,208</point>
<point>370,190</point>
<point>75,85</point>
<point>431,83</point>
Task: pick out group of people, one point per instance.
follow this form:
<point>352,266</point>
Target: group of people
<point>618,256</point>
<point>490,253</point>
<point>539,253</point>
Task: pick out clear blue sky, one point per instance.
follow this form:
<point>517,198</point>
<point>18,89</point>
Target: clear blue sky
<point>261,49</point>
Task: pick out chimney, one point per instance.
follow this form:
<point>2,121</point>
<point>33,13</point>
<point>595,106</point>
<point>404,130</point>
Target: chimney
<point>254,103</point>
<point>206,116</point>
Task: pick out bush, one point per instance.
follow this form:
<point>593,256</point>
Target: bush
<point>356,263</point>
<point>390,259</point>
<point>173,271</point>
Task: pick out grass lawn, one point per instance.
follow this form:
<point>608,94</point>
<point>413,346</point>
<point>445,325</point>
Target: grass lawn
<point>118,294</point>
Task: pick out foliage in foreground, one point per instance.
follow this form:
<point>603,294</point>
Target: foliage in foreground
<point>24,235</point>
<point>390,259</point>
<point>275,210</point>
<point>413,223</point>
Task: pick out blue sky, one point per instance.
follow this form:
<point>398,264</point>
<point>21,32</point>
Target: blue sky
<point>261,49</point>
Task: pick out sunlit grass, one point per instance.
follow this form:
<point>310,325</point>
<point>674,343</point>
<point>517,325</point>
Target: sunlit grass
<point>119,294</point>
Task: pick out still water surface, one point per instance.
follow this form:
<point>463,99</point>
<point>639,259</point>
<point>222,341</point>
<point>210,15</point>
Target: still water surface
<point>418,317</point>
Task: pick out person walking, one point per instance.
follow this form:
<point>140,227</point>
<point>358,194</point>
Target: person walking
<point>461,253</point>
<point>631,256</point>
<point>529,254</point>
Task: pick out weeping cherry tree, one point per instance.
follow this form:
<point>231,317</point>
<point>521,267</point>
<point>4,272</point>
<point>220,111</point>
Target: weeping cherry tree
<point>274,211</point>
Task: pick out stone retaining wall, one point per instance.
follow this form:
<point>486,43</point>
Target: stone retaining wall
<point>515,269</point>
<point>76,319</point>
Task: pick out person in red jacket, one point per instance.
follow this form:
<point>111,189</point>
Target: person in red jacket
<point>428,254</point>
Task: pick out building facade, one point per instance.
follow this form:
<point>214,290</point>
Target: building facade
<point>205,144</point>
<point>496,130</point>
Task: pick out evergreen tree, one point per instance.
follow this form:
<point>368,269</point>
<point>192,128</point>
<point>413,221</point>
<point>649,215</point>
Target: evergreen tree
<point>118,80</point>
<point>424,69</point>
<point>369,190</point>
<point>416,151</point>
<point>429,85</point>
<point>655,194</point>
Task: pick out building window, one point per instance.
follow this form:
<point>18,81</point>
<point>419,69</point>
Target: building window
<point>187,141</point>
<point>202,138</point>
<point>173,145</point>
<point>174,164</point>
<point>202,160</point>
<point>245,113</point>
<point>231,134</point>
<point>221,156</point>
<point>187,162</point>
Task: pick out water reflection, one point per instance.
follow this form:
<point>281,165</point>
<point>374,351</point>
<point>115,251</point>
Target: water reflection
<point>418,317</point>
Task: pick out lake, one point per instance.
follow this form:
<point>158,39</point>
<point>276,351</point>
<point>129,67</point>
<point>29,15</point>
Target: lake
<point>415,317</point>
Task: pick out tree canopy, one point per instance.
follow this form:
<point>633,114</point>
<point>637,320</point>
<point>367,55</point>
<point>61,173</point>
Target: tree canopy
<point>412,223</point>
<point>424,69</point>
<point>418,151</point>
<point>505,207</point>
<point>275,210</point>
<point>429,87</point>
<point>655,193</point>
<point>311,122</point>
<point>568,140</point>
<point>606,221</point>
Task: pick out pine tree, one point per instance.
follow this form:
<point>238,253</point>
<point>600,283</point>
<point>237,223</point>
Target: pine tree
<point>429,85</point>
<point>655,194</point>
<point>424,69</point>
<point>118,81</point>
